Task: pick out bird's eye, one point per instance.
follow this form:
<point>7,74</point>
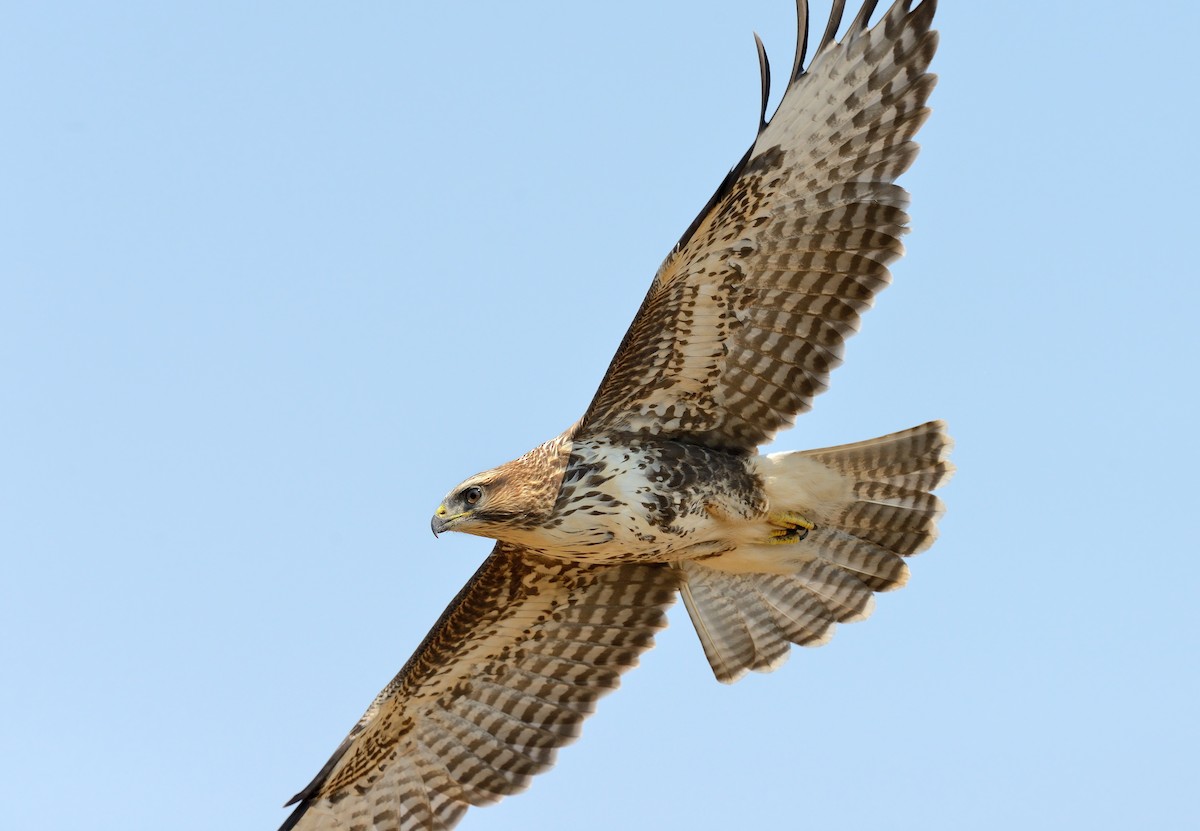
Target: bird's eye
<point>472,495</point>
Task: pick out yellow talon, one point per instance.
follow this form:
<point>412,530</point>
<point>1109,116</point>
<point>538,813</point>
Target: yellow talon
<point>791,527</point>
<point>790,519</point>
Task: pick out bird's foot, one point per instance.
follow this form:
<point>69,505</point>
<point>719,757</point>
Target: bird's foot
<point>790,527</point>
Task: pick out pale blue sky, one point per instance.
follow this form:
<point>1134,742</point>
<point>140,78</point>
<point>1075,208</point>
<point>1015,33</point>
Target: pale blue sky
<point>273,279</point>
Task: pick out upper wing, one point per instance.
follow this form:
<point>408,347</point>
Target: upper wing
<point>749,313</point>
<point>505,678</point>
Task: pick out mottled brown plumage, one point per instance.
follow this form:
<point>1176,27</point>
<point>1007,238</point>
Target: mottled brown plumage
<point>504,678</point>
<point>660,488</point>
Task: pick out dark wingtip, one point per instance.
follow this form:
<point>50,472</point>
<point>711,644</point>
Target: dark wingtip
<point>863,18</point>
<point>924,12</point>
<point>801,40</point>
<point>764,74</point>
<point>835,20</point>
<point>294,816</point>
<point>313,789</point>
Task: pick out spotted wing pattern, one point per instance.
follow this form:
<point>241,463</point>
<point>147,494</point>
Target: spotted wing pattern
<point>749,313</point>
<point>505,678</point>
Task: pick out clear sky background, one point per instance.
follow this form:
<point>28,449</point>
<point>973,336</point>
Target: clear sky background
<point>274,278</point>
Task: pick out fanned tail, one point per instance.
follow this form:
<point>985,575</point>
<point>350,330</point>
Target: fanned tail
<point>872,507</point>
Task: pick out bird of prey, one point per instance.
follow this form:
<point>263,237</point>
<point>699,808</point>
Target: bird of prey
<point>659,489</point>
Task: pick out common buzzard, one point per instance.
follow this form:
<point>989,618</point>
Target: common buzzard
<point>659,489</point>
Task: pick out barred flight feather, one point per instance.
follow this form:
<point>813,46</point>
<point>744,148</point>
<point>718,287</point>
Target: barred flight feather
<point>816,155</point>
<point>477,728</point>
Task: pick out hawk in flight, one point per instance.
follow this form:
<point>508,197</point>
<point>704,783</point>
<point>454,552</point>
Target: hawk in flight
<point>659,489</point>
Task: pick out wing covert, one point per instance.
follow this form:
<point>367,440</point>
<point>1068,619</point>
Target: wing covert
<point>748,315</point>
<point>505,678</point>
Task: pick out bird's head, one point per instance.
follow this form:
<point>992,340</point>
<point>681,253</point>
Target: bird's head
<point>507,501</point>
<point>479,506</point>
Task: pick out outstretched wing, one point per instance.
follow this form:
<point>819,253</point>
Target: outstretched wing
<point>749,313</point>
<point>505,678</point>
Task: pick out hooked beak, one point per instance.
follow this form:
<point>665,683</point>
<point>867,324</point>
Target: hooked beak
<point>441,520</point>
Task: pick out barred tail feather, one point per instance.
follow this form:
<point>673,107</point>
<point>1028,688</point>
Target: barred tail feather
<point>872,506</point>
<point>892,507</point>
